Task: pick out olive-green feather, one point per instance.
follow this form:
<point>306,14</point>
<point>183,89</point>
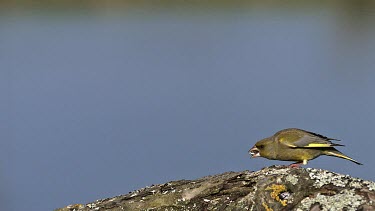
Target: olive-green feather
<point>334,152</point>
<point>301,139</point>
<point>298,145</point>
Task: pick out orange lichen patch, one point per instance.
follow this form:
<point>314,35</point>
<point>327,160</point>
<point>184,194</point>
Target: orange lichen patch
<point>266,207</point>
<point>276,190</point>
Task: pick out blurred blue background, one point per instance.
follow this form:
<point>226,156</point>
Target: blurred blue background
<point>101,99</point>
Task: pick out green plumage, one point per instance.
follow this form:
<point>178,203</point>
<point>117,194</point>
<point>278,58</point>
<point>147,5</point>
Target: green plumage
<point>296,145</point>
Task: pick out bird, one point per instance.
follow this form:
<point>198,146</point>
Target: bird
<point>297,145</point>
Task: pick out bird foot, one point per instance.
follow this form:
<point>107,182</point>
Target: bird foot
<point>295,165</point>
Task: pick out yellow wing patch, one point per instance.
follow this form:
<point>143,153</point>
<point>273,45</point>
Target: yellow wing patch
<point>318,145</point>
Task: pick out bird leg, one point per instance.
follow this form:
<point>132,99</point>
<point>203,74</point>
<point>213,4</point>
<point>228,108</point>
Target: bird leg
<point>298,164</point>
<point>295,165</point>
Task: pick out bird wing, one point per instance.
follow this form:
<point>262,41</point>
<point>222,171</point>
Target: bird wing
<point>306,141</point>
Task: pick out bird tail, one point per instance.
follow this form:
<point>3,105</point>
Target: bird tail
<point>339,154</point>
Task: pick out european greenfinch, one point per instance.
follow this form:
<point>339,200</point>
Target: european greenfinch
<point>296,145</point>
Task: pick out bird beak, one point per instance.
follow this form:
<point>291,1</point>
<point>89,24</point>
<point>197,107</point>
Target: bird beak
<point>254,152</point>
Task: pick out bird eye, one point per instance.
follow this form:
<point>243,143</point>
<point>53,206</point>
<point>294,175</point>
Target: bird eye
<point>260,146</point>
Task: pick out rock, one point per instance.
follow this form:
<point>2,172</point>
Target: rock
<point>272,188</point>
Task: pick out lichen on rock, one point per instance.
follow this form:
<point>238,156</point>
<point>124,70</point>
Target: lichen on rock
<point>272,188</point>
<point>345,200</point>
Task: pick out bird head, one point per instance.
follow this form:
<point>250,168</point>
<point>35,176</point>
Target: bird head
<point>262,148</point>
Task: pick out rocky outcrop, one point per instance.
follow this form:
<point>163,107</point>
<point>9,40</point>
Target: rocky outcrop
<point>272,188</point>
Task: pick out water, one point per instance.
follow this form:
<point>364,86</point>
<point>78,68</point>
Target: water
<point>97,104</point>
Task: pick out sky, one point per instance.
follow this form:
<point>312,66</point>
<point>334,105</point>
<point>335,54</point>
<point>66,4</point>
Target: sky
<point>96,105</point>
